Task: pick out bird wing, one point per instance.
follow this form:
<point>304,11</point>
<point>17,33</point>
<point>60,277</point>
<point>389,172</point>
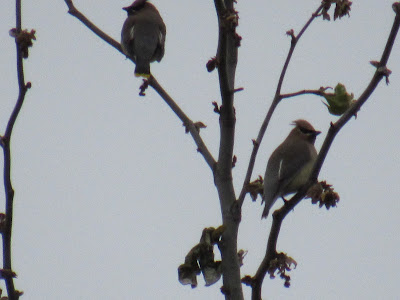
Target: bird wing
<point>272,181</point>
<point>159,53</point>
<point>127,35</point>
<point>282,167</point>
<point>293,163</point>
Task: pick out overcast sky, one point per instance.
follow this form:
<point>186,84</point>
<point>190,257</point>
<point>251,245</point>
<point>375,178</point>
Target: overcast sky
<point>110,194</point>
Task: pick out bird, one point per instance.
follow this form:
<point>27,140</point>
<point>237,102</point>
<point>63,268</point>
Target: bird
<point>143,36</point>
<point>290,165</point>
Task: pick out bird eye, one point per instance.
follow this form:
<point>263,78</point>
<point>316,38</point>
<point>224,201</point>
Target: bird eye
<point>306,131</point>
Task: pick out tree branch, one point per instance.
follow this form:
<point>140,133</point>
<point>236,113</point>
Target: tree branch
<point>227,60</point>
<point>280,214</point>
<point>381,71</point>
<point>228,42</point>
<point>153,82</point>
<point>201,147</point>
<point>303,92</point>
<point>222,171</point>
<point>7,272</point>
<point>81,17</point>
<point>277,98</point>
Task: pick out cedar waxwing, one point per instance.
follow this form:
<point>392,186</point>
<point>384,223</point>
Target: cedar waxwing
<point>143,36</point>
<point>290,164</point>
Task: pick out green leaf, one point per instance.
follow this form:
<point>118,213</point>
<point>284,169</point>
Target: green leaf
<point>339,101</point>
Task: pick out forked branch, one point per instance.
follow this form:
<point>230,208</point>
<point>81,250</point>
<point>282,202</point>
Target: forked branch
<point>277,98</point>
<point>279,215</point>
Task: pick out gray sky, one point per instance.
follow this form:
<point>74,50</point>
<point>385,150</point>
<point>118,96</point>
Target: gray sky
<point>111,194</point>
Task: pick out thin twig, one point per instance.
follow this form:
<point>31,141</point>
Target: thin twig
<point>274,104</point>
<point>303,92</point>
<point>280,214</point>
<point>81,17</point>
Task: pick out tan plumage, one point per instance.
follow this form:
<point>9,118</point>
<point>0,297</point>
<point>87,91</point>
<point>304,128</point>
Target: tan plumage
<point>290,164</point>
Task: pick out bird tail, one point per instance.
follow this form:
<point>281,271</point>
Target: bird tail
<point>265,212</point>
<point>142,69</point>
<point>268,204</point>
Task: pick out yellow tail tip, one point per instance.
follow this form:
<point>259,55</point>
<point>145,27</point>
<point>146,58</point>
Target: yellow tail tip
<point>147,76</point>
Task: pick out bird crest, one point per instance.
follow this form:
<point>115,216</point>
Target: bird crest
<point>136,5</point>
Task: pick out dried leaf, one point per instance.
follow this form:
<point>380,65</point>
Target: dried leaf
<point>188,275</point>
<point>281,264</point>
<point>342,9</point>
<point>256,188</point>
<point>24,39</point>
<point>323,194</point>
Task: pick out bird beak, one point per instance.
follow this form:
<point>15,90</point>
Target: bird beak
<point>126,8</point>
<point>317,132</point>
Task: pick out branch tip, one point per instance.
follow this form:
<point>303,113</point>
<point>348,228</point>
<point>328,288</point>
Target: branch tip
<point>237,90</point>
<point>247,280</point>
<point>212,64</point>
<point>234,160</point>
<point>291,34</point>
<point>216,107</point>
<point>396,8</point>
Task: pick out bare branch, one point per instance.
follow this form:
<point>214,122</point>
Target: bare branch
<point>228,43</point>
<point>303,92</point>
<point>153,82</point>
<point>277,98</point>
<point>202,148</point>
<point>101,34</point>
<point>380,73</point>
<point>280,214</point>
<point>227,60</point>
<point>12,293</point>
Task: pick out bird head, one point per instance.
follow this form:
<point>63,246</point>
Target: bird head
<point>135,6</point>
<point>305,130</point>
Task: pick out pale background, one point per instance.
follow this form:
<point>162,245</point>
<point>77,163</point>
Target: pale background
<point>111,194</point>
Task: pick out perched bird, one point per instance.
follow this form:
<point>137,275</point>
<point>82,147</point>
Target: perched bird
<point>290,164</point>
<point>143,36</point>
